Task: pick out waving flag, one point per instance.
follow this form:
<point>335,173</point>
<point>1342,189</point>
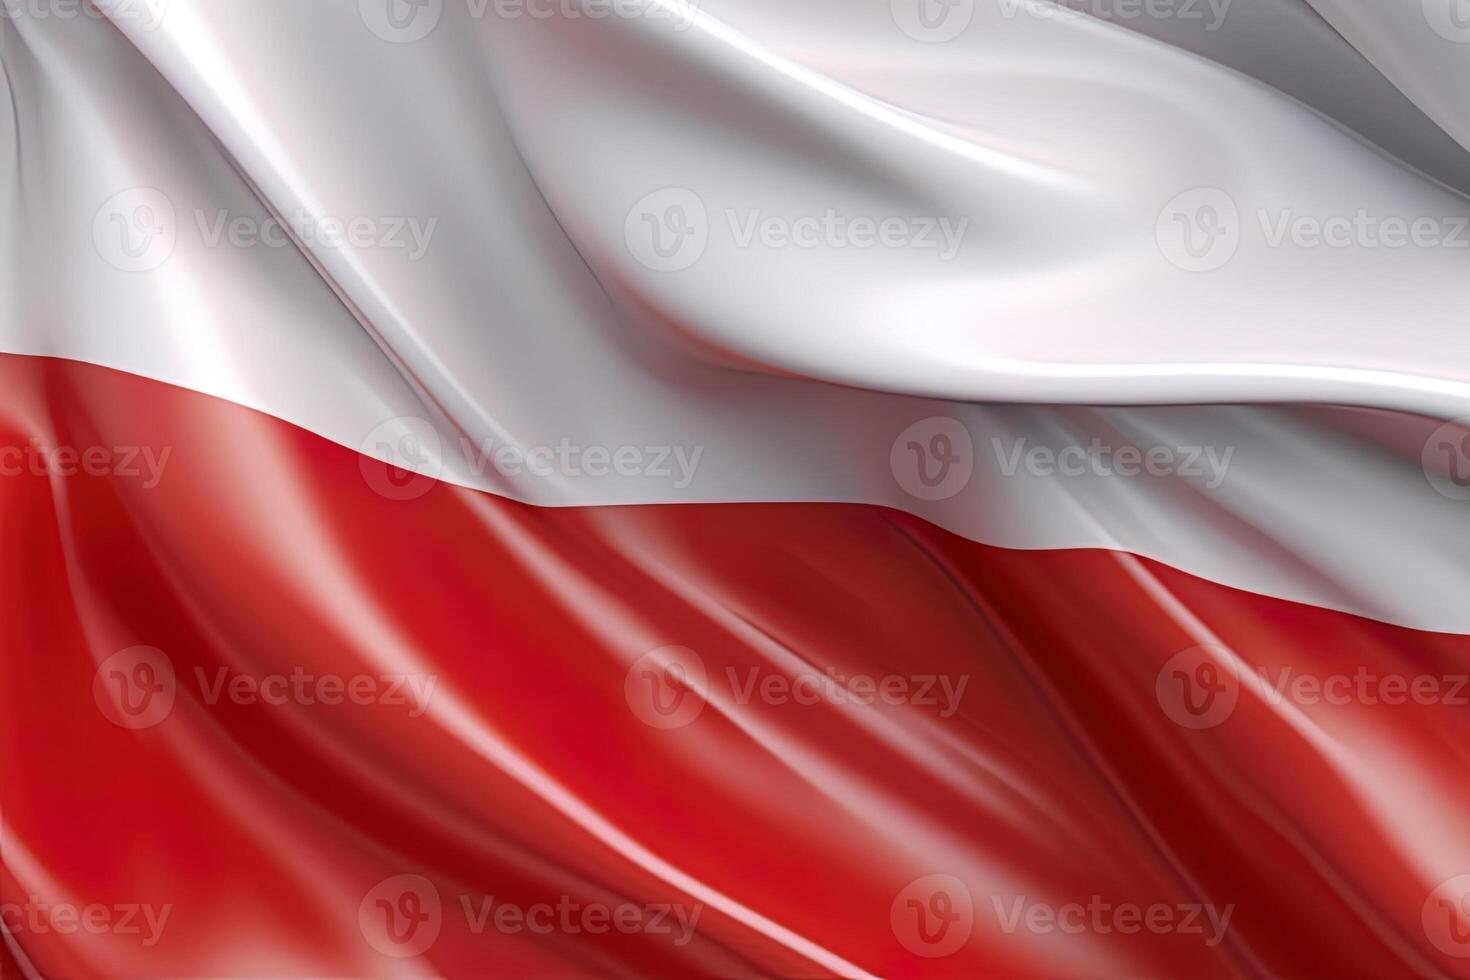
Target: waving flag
<point>635,487</point>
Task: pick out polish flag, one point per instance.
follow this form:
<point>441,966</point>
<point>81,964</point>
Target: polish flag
<point>734,489</point>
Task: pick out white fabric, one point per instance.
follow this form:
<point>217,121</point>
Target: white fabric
<point>1050,143</point>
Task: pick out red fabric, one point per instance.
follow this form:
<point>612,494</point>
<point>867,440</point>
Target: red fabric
<point>793,828</point>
